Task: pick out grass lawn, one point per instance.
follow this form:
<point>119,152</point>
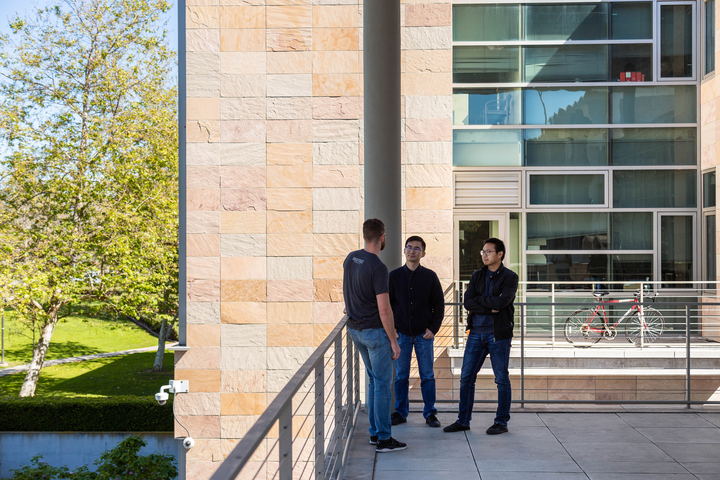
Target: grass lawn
<point>78,335</point>
<point>126,375</point>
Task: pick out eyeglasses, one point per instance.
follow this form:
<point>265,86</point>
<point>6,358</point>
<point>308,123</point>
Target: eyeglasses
<point>410,248</point>
<point>487,252</point>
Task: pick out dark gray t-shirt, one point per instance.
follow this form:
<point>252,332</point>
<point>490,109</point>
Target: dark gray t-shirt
<point>364,277</point>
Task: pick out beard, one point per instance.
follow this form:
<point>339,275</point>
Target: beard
<point>382,245</point>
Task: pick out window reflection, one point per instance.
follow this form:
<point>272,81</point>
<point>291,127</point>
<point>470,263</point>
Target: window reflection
<point>486,23</point>
<point>654,188</point>
<point>657,104</point>
<point>566,22</point>
<point>488,106</point>
<point>676,249</point>
<point>676,41</point>
<point>566,63</point>
<point>486,64</point>
<point>654,146</point>
<point>590,268</point>
<point>560,147</point>
<point>567,189</point>
<point>566,106</point>
<point>473,148</point>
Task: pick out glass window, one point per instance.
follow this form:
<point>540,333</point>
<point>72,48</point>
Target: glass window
<point>657,104</point>
<point>472,234</point>
<point>632,230</point>
<point>676,250</point>
<point>472,148</point>
<point>493,106</point>
<point>709,36</point>
<point>566,63</point>
<point>567,231</point>
<point>654,146</point>
<point>560,147</point>
<point>566,106</point>
<point>676,41</point>
<point>486,64</point>
<point>589,267</point>
<point>631,268</point>
<point>631,21</point>
<point>654,188</point>
<point>567,189</point>
<point>566,22</point>
<point>631,63</point>
<point>709,190</point>
<point>710,249</point>
<point>486,23</point>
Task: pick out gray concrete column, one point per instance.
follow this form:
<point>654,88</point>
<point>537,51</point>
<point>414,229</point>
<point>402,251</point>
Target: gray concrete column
<point>182,139</point>
<point>381,69</point>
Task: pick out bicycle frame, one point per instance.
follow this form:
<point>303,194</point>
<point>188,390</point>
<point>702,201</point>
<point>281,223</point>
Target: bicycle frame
<point>601,307</point>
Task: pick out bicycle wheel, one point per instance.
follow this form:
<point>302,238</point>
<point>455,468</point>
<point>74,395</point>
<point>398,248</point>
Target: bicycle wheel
<point>584,328</point>
<point>654,326</point>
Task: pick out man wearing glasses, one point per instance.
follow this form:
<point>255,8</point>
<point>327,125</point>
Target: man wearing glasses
<point>489,298</point>
<point>418,307</point>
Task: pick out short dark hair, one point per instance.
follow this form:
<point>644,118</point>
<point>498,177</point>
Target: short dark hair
<point>498,244</point>
<point>415,238</point>
<point>373,229</point>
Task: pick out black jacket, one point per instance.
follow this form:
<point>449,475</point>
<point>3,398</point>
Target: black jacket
<point>417,300</point>
<point>477,300</point>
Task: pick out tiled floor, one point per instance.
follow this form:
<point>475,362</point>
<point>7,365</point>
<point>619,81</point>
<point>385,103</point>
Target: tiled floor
<point>683,445</point>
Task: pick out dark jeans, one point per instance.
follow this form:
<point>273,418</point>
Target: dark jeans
<point>424,354</point>
<point>477,349</point>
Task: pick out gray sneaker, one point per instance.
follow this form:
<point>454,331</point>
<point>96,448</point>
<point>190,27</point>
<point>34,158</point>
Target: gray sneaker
<point>389,445</point>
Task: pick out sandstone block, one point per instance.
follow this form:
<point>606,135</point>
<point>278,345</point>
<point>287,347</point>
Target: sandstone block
<point>320,332</point>
<point>336,108</point>
<point>334,245</point>
<point>242,86</point>
<point>336,130</point>
<point>242,245</point>
<point>243,199</point>
<point>287,358</point>
<point>243,403</point>
<point>297,335</point>
<point>203,177</point>
<point>203,290</point>
<point>203,245</point>
<point>289,39</point>
<point>289,108</point>
<point>203,335</point>
<point>242,176</point>
<point>203,380</point>
<point>242,131</point>
<point>243,381</point>
<point>328,267</point>
<point>203,63</point>
<point>203,267</point>
<point>289,245</point>
<point>286,268</point>
<point>243,268</point>
<point>335,16</point>
<point>289,198</point>
<point>203,131</point>
<point>289,222</point>
<point>202,154</point>
<point>289,16</point>
<point>290,85</point>
<point>289,62</point>
<point>202,40</point>
<point>203,313</point>
<point>242,40</point>
<point>236,426</point>
<point>427,38</point>
<point>328,313</point>
<point>428,61</point>
<point>428,84</point>
<point>337,85</point>
<point>205,450</point>
<point>428,130</point>
<point>289,312</point>
<point>289,176</point>
<point>335,176</point>
<point>243,154</point>
<point>335,199</point>
<point>443,266</point>
<point>336,222</point>
<point>242,290</point>
<point>335,39</point>
<point>243,358</point>
<point>243,63</point>
<point>277,379</point>
<point>289,153</point>
<point>243,312</point>
<point>289,290</point>
<point>428,198</point>
<point>340,153</point>
<point>242,17</point>
<point>327,290</point>
<point>243,108</point>
<point>202,426</point>
<point>198,358</point>
<point>243,335</point>
<point>429,106</point>
<point>336,62</point>
<point>424,15</point>
<point>289,131</point>
<point>428,176</point>
<point>242,222</point>
<point>438,153</point>
<point>437,221</point>
<point>202,17</point>
<point>439,244</point>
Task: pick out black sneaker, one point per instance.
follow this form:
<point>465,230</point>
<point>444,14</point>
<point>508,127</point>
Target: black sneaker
<point>389,445</point>
<point>432,421</point>
<point>455,427</point>
<point>397,419</point>
<point>373,439</point>
<point>496,429</point>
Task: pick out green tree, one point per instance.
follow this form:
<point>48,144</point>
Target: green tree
<point>88,181</point>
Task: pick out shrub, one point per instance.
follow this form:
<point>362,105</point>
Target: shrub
<point>120,463</point>
<point>85,414</point>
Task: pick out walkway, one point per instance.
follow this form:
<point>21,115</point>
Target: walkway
<point>629,445</point>
<point>60,361</point>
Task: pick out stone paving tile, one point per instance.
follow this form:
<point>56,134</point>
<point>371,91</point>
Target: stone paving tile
<point>703,468</point>
<point>607,465</point>
<point>682,435</point>
<point>582,419</point>
<point>533,465</point>
<point>532,476</point>
<point>425,475</point>
<point>690,453</point>
<point>597,434</point>
<point>640,420</point>
<point>619,452</point>
<point>641,476</point>
<point>713,418</point>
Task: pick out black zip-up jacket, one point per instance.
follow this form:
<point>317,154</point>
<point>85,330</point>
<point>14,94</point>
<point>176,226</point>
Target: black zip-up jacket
<point>477,300</point>
<point>417,300</point>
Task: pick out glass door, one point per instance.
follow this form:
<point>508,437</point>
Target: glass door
<point>677,249</point>
<point>471,231</point>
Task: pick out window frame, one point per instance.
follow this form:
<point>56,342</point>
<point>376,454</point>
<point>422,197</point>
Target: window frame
<point>657,34</point>
<point>537,171</point>
<point>703,51</point>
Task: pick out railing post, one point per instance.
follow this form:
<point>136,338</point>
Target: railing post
<point>285,443</point>
<point>320,420</point>
<point>456,325</point>
<point>356,364</point>
<point>337,453</point>
<point>687,353</point>
<point>642,315</point>
<point>522,355</point>
<point>349,383</point>
<point>552,301</point>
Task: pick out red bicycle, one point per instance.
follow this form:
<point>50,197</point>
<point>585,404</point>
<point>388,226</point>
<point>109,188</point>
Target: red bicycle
<point>586,326</point>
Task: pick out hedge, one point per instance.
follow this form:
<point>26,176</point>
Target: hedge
<point>85,414</point>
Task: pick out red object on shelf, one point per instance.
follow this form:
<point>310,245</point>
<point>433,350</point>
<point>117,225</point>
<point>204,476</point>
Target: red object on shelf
<point>643,78</point>
<point>634,76</point>
<point>622,76</point>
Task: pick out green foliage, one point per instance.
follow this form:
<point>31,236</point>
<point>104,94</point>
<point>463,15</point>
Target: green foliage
<point>83,414</point>
<point>126,375</point>
<point>120,463</point>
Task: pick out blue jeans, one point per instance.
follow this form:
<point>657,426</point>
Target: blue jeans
<point>477,349</point>
<point>424,354</point>
<point>375,350</point>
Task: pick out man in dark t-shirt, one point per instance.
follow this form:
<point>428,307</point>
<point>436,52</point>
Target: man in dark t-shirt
<point>372,329</point>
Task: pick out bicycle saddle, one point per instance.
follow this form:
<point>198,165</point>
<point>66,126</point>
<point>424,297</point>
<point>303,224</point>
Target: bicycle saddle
<point>600,294</point>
